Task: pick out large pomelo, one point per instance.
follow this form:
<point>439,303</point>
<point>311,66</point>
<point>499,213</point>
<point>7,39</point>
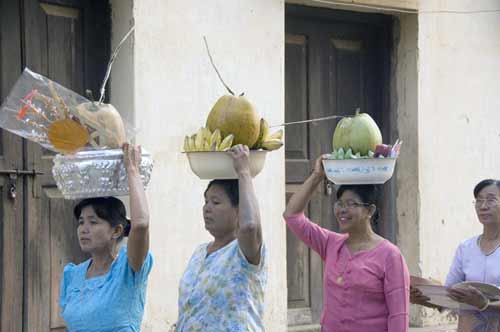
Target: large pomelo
<point>359,133</point>
<point>235,115</point>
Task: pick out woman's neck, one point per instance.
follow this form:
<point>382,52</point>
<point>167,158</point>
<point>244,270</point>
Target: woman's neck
<point>101,261</point>
<point>491,232</point>
<point>220,242</point>
<point>361,235</point>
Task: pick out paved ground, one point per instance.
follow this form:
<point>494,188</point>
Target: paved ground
<point>442,328</point>
<point>316,328</point>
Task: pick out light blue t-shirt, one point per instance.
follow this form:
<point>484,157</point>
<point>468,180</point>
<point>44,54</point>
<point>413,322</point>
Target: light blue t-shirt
<point>222,292</point>
<point>113,302</point>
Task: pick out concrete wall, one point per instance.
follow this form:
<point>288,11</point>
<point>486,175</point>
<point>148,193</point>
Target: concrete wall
<point>174,88</point>
<point>404,103</point>
<point>458,117</point>
<point>121,84</point>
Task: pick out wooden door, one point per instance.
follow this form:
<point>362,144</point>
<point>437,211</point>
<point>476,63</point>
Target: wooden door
<point>335,62</point>
<point>11,157</point>
<point>67,41</point>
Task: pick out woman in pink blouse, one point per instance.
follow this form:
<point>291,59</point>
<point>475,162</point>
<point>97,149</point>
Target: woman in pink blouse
<point>366,281</point>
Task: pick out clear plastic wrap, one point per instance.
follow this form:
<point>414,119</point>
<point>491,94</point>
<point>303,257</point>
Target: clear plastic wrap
<point>59,119</point>
<point>87,135</point>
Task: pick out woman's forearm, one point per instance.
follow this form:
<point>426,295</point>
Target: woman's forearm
<point>301,198</point>
<point>139,210</point>
<point>138,240</point>
<point>249,230</point>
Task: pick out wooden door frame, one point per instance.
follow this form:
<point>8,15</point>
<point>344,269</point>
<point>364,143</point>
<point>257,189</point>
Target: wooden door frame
<point>386,117</point>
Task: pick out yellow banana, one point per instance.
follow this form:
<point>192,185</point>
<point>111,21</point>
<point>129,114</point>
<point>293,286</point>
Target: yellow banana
<point>200,140</point>
<point>216,138</point>
<point>192,144</point>
<point>207,135</point>
<point>264,131</point>
<point>187,146</point>
<point>213,147</point>
<point>226,143</point>
<point>206,146</point>
<point>272,144</point>
<point>276,135</point>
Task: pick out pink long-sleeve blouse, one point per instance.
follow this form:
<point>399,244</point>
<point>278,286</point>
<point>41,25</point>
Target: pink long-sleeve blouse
<point>367,291</point>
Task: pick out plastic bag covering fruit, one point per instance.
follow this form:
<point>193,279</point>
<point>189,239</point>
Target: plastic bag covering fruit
<point>37,106</point>
<point>107,122</point>
<point>359,133</point>
<point>68,136</point>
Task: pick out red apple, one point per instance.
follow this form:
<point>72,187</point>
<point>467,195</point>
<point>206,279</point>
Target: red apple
<point>382,149</point>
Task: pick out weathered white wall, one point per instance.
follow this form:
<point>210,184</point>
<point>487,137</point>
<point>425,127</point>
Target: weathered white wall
<point>174,88</point>
<point>458,117</point>
<point>121,86</point>
<point>404,103</point>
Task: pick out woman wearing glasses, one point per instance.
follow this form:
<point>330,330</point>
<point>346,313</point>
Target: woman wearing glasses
<point>366,280</point>
<point>477,259</point>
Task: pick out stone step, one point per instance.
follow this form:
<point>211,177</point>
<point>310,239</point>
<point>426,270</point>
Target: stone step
<point>305,328</point>
<point>439,328</point>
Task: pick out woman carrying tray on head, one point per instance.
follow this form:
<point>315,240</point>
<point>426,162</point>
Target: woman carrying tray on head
<point>366,280</point>
<point>222,288</point>
<point>107,292</point>
<point>477,259</point>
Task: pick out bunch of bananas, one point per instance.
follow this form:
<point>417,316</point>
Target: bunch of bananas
<point>268,141</point>
<point>204,140</point>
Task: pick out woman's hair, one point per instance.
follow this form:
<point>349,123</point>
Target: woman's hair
<point>110,209</point>
<point>485,183</point>
<point>230,187</point>
<point>368,193</point>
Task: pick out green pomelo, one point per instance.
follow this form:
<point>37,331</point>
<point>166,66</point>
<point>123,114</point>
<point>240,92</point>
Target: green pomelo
<point>359,133</point>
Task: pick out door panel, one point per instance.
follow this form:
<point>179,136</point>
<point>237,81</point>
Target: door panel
<point>334,64</point>
<point>66,45</point>
<point>11,211</point>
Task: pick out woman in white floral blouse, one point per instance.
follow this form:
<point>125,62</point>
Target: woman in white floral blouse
<point>222,288</point>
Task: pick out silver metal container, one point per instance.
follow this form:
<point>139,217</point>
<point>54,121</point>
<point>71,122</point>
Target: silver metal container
<point>96,173</point>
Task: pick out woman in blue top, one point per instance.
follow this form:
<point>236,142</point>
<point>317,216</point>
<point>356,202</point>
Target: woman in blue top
<point>107,292</point>
<point>222,289</point>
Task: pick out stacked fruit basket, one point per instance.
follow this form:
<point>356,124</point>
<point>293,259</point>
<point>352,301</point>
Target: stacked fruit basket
<point>358,155</point>
<point>232,120</point>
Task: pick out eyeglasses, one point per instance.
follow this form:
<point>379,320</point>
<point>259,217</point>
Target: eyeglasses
<point>490,202</point>
<point>348,205</point>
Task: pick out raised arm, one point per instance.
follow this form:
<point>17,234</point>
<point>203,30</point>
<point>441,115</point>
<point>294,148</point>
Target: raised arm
<point>301,198</point>
<point>138,239</point>
<point>249,230</point>
<point>314,236</point>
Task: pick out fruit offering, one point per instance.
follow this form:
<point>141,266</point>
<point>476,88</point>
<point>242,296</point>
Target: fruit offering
<point>359,133</point>
<point>231,121</point>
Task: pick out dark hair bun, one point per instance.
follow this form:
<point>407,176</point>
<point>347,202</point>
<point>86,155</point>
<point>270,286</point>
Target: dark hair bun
<point>126,228</point>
